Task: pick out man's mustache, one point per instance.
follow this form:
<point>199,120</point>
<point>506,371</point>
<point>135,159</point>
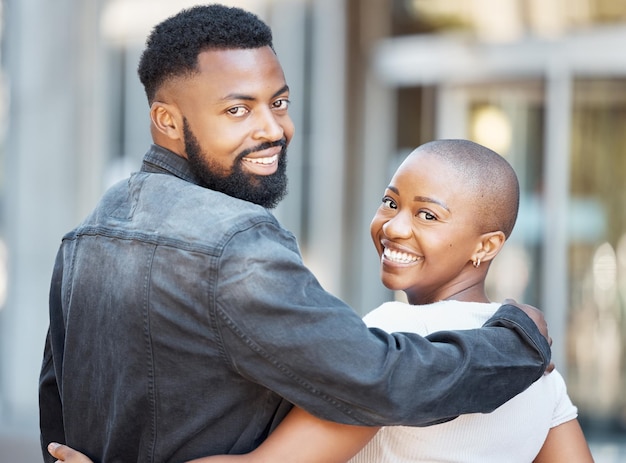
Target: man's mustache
<point>263,146</point>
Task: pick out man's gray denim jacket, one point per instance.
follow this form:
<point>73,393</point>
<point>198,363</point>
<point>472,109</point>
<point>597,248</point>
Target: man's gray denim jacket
<point>183,322</point>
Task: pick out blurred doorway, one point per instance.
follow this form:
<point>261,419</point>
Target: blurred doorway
<point>567,254</point>
<point>559,118</point>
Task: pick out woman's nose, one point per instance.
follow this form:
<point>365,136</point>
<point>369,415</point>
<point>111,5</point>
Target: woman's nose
<point>398,226</point>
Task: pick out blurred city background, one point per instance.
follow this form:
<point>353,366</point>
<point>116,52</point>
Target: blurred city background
<point>543,82</point>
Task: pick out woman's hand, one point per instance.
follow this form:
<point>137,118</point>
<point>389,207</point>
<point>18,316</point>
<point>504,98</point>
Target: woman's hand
<point>63,453</point>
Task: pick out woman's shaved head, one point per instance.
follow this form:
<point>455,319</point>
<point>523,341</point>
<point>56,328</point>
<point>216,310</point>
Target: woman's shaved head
<point>488,177</point>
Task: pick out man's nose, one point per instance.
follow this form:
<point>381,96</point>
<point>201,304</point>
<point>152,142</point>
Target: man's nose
<point>269,127</point>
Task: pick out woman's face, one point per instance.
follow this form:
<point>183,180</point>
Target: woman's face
<point>424,231</point>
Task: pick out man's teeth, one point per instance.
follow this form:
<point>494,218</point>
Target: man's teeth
<point>399,256</point>
<point>268,160</point>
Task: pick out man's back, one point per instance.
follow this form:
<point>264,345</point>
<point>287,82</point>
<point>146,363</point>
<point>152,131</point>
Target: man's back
<point>138,343</point>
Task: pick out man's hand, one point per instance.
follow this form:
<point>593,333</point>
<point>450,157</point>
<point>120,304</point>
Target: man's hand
<point>537,316</point>
<point>66,454</point>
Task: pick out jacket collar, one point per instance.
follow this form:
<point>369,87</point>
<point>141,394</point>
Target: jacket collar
<point>163,161</point>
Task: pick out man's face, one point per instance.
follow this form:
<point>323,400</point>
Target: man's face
<point>265,190</point>
<point>236,124</point>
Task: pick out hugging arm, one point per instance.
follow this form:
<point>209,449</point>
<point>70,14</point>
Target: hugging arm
<point>300,437</point>
<point>331,365</point>
<point>304,438</point>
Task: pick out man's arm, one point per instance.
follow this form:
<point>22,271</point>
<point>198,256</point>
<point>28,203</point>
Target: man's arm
<point>50,409</point>
<point>539,319</point>
<point>280,328</point>
<point>50,405</point>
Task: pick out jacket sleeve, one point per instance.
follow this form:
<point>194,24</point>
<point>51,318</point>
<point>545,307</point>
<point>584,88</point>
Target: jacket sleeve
<point>50,404</point>
<point>50,408</point>
<point>281,329</point>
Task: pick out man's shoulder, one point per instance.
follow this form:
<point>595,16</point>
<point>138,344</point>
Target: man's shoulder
<point>185,200</point>
<point>165,208</point>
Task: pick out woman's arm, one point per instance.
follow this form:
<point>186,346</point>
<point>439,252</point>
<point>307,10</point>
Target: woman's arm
<point>565,444</point>
<point>300,437</point>
<point>304,438</point>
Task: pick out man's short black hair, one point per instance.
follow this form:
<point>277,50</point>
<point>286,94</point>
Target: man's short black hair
<point>173,46</point>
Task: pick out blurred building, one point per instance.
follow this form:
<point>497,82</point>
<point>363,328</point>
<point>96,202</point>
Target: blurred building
<point>543,82</point>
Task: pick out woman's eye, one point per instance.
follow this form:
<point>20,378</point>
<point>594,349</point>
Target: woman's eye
<point>426,215</point>
<point>388,202</point>
<point>238,111</point>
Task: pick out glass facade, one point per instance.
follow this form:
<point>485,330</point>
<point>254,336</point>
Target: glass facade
<point>511,117</point>
<point>597,251</point>
<point>562,129</point>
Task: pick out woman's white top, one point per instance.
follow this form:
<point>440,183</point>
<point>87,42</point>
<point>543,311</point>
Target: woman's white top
<point>512,433</point>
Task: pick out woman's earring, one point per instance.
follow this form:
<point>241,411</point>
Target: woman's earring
<point>476,263</point>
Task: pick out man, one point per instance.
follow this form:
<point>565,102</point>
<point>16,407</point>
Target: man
<point>182,320</point>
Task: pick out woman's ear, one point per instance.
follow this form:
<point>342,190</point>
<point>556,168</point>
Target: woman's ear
<point>166,120</point>
<point>489,246</point>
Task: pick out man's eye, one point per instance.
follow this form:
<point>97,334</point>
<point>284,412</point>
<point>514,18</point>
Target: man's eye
<point>283,103</point>
<point>426,215</point>
<point>238,111</point>
<point>388,202</point>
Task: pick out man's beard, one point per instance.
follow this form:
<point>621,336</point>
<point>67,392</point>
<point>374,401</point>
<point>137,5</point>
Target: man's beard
<point>264,190</point>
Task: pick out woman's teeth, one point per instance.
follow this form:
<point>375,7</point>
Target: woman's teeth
<point>399,256</point>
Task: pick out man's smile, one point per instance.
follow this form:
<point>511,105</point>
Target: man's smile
<point>264,160</point>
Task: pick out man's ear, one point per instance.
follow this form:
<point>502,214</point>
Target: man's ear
<point>489,246</point>
<point>166,120</point>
